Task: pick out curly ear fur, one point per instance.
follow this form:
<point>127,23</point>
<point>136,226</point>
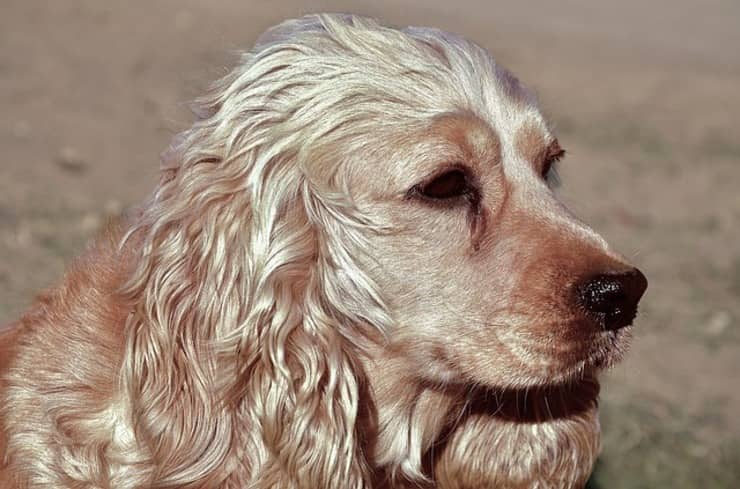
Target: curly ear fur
<point>249,308</point>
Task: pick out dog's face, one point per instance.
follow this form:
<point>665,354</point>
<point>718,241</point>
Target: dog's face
<point>486,277</point>
<point>489,278</point>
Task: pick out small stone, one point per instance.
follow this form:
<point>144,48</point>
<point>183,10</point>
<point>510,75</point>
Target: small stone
<point>70,160</point>
<point>23,236</point>
<point>718,323</point>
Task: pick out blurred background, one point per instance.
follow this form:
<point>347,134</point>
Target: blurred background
<point>645,96</point>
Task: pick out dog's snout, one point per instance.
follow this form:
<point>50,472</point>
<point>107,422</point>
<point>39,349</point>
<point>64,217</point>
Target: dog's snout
<point>613,298</point>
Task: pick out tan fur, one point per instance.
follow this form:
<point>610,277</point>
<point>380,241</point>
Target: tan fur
<point>285,312</point>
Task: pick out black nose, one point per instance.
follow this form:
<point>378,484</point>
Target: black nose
<point>613,298</point>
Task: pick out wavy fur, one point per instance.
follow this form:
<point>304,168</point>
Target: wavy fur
<point>261,320</point>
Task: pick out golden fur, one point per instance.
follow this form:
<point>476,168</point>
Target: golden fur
<point>284,312</point>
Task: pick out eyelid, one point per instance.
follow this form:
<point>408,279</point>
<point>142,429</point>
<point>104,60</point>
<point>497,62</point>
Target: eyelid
<point>553,154</point>
<point>416,190</point>
<point>447,169</point>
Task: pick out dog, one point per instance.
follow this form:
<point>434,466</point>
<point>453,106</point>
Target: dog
<point>353,273</point>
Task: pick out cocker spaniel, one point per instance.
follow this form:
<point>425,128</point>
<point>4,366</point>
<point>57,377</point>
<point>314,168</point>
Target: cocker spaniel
<point>353,274</point>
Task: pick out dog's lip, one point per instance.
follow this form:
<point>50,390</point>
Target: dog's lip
<point>610,348</point>
<point>599,352</point>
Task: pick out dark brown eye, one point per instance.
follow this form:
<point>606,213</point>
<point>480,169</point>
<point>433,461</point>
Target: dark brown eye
<point>555,155</point>
<point>448,185</point>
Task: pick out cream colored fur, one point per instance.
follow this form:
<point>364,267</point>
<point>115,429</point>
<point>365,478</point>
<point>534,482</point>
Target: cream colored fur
<point>281,314</point>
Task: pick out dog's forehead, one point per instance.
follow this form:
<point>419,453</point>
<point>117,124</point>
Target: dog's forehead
<point>512,110</point>
<point>480,141</point>
<point>506,132</point>
<point>525,136</point>
<point>493,110</point>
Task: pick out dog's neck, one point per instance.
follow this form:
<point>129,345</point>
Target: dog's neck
<point>460,436</point>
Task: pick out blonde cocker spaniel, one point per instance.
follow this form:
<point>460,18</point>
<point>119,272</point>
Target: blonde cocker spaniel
<point>353,274</point>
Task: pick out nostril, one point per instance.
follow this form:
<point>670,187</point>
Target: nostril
<point>603,294</point>
<point>613,298</point>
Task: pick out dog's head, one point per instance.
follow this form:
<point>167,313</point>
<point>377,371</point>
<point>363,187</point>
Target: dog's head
<point>486,276</point>
<point>348,184</point>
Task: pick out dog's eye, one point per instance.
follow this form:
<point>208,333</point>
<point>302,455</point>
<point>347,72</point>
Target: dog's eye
<point>451,184</point>
<point>549,169</point>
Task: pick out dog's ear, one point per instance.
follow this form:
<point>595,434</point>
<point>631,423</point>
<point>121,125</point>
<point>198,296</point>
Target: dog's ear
<point>249,310</point>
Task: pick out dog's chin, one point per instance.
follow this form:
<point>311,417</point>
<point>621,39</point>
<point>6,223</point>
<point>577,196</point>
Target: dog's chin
<point>601,353</point>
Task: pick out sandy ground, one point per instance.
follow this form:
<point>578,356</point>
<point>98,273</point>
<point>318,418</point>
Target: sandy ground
<point>645,98</point>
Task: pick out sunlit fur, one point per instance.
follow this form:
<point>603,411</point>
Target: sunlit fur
<point>284,313</point>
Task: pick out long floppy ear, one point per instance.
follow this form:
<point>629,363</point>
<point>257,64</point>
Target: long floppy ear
<point>249,313</point>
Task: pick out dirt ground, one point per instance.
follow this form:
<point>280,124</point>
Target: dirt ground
<point>645,96</point>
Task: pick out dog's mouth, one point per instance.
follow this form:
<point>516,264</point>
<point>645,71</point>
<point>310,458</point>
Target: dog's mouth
<point>569,353</point>
<point>611,347</point>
